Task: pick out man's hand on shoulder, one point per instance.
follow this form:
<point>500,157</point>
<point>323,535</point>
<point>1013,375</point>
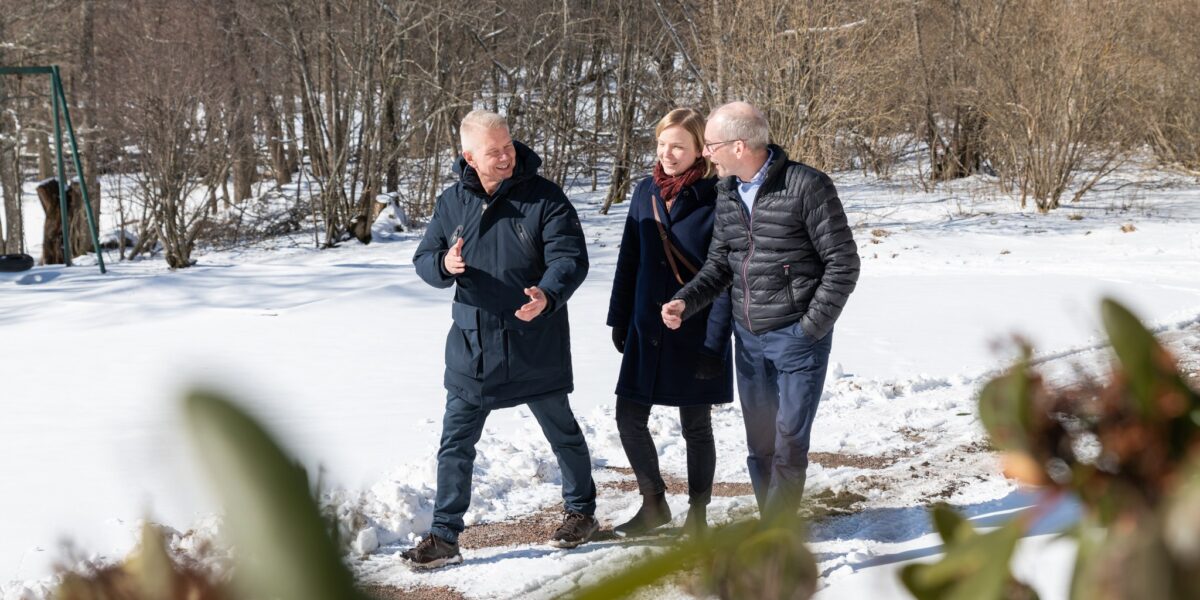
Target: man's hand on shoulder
<point>537,303</point>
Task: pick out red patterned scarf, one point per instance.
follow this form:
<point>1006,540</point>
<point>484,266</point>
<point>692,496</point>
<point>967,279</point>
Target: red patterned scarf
<point>670,185</point>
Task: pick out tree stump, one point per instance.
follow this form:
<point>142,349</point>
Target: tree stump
<point>52,250</point>
<point>81,236</point>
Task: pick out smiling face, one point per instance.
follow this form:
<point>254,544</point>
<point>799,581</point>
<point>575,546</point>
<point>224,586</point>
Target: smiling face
<point>677,150</point>
<point>492,154</point>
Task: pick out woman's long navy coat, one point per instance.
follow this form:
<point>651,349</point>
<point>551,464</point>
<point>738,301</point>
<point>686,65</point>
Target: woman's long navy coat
<point>659,365</point>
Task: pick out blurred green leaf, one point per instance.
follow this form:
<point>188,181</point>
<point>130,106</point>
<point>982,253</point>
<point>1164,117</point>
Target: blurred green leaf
<point>747,559</point>
<point>952,526</point>
<point>1146,364</point>
<point>1006,407</point>
<point>974,567</point>
<point>283,546</point>
<point>771,563</point>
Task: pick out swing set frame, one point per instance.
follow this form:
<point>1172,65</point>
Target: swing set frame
<point>58,99</point>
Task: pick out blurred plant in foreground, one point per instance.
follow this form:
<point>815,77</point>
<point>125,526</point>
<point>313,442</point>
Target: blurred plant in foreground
<point>1127,450</point>
<point>760,559</point>
<point>284,549</point>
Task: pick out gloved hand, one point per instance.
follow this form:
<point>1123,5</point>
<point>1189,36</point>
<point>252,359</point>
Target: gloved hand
<point>619,334</point>
<point>709,366</point>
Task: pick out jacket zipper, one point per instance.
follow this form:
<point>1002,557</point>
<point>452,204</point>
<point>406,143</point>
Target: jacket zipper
<point>787,282</point>
<point>749,221</point>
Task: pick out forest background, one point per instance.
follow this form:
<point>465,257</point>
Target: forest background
<point>213,107</point>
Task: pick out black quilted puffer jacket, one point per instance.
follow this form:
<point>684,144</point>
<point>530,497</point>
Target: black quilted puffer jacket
<point>793,258</point>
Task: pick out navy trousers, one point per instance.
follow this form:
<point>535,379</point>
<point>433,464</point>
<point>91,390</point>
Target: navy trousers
<point>780,375</point>
<point>462,425</point>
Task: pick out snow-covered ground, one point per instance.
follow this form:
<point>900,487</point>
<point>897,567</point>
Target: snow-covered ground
<point>340,352</point>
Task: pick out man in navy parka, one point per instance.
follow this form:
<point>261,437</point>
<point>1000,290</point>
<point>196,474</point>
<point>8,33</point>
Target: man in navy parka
<point>511,244</point>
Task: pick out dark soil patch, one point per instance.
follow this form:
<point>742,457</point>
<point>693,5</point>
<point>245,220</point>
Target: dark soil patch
<point>676,485</point>
<point>724,489</point>
<point>387,592</point>
<point>832,460</point>
<point>532,530</point>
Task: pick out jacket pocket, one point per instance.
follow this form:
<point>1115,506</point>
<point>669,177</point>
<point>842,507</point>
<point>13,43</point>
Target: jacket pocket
<point>464,352</point>
<point>534,350</point>
<point>787,284</point>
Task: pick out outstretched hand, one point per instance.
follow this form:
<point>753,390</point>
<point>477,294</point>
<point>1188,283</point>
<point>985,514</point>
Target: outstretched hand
<point>535,306</point>
<point>453,262</point>
<point>672,313</point>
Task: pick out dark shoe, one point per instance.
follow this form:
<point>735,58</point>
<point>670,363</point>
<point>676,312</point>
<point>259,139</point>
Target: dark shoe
<point>653,513</point>
<point>433,552</point>
<point>576,529</point>
<point>696,523</point>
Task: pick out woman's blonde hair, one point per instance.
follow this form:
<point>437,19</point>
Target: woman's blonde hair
<point>692,122</point>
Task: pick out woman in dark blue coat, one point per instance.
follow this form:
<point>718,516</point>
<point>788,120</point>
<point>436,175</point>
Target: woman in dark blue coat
<point>666,238</point>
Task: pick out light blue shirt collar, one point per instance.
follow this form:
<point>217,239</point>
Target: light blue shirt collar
<point>747,190</point>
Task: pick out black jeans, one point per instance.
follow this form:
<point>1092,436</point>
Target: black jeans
<point>632,420</point>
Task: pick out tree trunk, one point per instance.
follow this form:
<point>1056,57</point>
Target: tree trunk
<point>12,237</point>
<point>627,101</point>
<point>86,101</point>
<point>241,132</point>
<point>45,155</point>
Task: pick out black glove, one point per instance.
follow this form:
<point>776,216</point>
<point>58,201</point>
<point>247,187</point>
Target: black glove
<point>709,366</point>
<point>619,334</point>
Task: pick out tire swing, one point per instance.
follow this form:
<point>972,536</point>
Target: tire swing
<point>13,263</point>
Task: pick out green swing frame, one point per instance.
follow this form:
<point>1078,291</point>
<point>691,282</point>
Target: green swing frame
<point>59,101</point>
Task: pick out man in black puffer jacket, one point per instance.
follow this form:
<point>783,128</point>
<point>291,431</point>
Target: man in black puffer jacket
<point>510,243</point>
<point>781,239</point>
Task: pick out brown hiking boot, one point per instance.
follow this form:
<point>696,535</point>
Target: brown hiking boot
<point>576,529</point>
<point>433,552</point>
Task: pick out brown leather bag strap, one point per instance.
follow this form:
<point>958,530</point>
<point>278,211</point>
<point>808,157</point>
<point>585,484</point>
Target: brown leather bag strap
<point>671,251</point>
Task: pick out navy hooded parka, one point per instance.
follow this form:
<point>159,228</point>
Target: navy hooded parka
<point>525,234</point>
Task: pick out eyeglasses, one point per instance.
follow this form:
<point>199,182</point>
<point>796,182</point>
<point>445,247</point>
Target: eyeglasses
<point>712,146</point>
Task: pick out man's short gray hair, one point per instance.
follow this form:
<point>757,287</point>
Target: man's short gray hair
<point>476,121</point>
<point>742,121</point>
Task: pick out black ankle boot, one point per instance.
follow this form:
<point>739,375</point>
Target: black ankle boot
<point>653,513</point>
<point>696,522</point>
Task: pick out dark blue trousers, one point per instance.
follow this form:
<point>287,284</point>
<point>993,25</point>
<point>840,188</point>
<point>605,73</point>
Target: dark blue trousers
<point>462,425</point>
<point>780,375</point>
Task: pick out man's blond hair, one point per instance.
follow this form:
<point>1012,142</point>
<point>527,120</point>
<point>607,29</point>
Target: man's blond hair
<point>478,121</point>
